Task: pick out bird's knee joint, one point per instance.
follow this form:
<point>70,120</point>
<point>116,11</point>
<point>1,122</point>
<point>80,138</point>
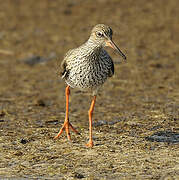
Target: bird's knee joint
<point>90,112</point>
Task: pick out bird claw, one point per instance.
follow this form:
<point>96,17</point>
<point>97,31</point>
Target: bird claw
<point>66,127</point>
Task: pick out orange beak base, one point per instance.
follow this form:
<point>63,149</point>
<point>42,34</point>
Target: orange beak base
<point>111,44</point>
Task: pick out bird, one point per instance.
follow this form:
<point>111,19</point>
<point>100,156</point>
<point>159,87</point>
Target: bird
<point>86,68</point>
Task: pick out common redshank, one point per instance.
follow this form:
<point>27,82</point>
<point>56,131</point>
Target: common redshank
<point>87,68</point>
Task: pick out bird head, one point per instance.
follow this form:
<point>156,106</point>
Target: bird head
<point>102,36</point>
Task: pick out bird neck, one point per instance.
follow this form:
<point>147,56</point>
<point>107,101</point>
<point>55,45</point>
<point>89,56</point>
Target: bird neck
<point>93,47</point>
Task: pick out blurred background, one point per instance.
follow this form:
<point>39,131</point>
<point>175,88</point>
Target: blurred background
<point>142,97</point>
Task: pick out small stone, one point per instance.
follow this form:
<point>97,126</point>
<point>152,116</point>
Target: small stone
<point>78,176</point>
<point>42,102</point>
<point>23,141</point>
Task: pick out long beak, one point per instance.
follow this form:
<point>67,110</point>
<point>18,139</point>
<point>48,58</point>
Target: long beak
<point>111,44</point>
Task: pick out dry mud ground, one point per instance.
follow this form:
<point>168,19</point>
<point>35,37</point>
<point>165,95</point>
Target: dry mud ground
<point>140,100</point>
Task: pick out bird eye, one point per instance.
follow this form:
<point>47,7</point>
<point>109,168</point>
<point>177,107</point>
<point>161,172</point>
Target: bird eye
<point>99,34</point>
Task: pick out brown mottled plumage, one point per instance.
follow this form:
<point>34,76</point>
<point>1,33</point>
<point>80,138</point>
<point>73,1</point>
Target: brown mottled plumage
<point>88,67</point>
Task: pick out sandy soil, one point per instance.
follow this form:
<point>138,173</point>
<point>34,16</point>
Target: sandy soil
<point>140,100</point>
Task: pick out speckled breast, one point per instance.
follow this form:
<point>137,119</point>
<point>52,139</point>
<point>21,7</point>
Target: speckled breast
<point>88,74</point>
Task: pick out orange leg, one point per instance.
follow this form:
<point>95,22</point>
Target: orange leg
<point>67,124</point>
<point>90,112</point>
